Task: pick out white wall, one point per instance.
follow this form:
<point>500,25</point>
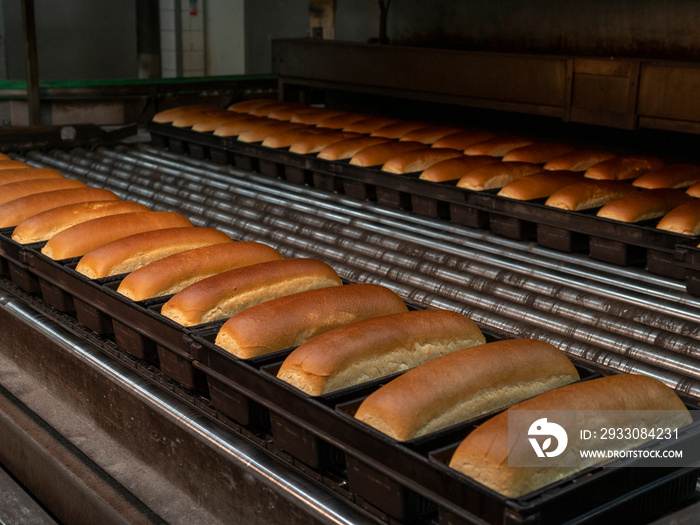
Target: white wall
<point>225,43</point>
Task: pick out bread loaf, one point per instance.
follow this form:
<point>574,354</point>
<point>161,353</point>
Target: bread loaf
<point>538,153</point>
<point>16,190</point>
<point>397,129</point>
<point>369,125</point>
<point>4,157</point>
<point>317,142</point>
<point>265,110</point>
<point>484,454</point>
<point>244,106</point>
<point>623,168</point>
<point>43,226</point>
<point>375,348</point>
<point>429,134</point>
<point>294,319</point>
<point>539,185</point>
<point>173,273</point>
<point>169,115</point>
<point>496,175</point>
<point>346,149</point>
<point>578,160</point>
<point>86,236</point>
<point>18,174</point>
<point>134,251</point>
<point>190,119</point>
<point>694,190</point>
<point>380,153</point>
<point>419,159</point>
<point>464,139</point>
<point>238,126</point>
<point>313,116</point>
<point>644,205</point>
<point>671,176</point>
<point>214,121</point>
<point>259,133</point>
<point>497,146</point>
<point>13,164</point>
<point>16,211</point>
<point>589,194</point>
<point>457,167</point>
<point>226,294</point>
<point>338,122</point>
<point>287,111</point>
<point>684,219</point>
<point>463,385</point>
<point>286,138</point>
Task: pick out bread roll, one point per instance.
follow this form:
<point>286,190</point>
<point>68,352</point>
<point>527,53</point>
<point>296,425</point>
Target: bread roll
<point>317,142</point>
<point>131,253</point>
<point>214,121</point>
<point>18,210</point>
<point>285,139</point>
<point>315,115</point>
<point>173,273</point>
<point>463,385</point>
<point>288,111</point>
<point>578,160</point>
<point>589,194</point>
<point>694,190</point>
<point>86,236</point>
<point>238,126</point>
<point>294,319</point>
<point>260,133</point>
<point>380,153</point>
<point>13,164</point>
<point>43,226</point>
<point>419,159</point>
<point>462,140</point>
<point>16,190</point>
<point>497,146</point>
<point>346,149</point>
<point>684,219</point>
<point>484,454</point>
<point>539,185</point>
<point>538,153</point>
<point>457,167</point>
<point>338,122</point>
<point>226,294</point>
<point>430,134</point>
<point>671,176</point>
<point>18,174</point>
<point>169,115</point>
<point>623,168</point>
<point>4,157</point>
<point>375,348</point>
<point>397,129</point>
<point>190,119</point>
<point>244,106</point>
<point>369,125</point>
<point>644,205</point>
<point>264,110</point>
<point>496,175</point>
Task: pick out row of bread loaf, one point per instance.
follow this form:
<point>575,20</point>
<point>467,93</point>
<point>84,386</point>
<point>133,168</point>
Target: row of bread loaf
<point>342,334</point>
<point>522,169</point>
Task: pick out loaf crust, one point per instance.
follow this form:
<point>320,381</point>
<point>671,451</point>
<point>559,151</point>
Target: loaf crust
<point>238,126</point>
<point>684,219</point>
<point>589,194</point>
<point>465,384</point>
<point>497,146</point>
<point>456,168</point>
<point>496,175</point>
<point>260,133</point>
<point>368,125</point>
<point>294,319</point>
<point>644,205</point>
<point>226,294</point>
<point>462,140</point>
<point>345,149</point>
<point>12,165</point>
<point>18,174</point>
<point>190,119</point>
<point>376,347</point>
<point>578,160</point>
<point>19,189</point>
<point>398,129</point>
<point>338,122</point>
<point>169,115</point>
<point>134,251</point>
<point>244,106</point>
<point>317,142</point>
<point>313,116</point>
<point>671,176</point>
<point>539,185</point>
<point>18,210</point>
<point>623,168</point>
<point>86,236</point>
<point>430,134</point>
<point>285,139</point>
<point>380,153</point>
<point>173,273</point>
<point>483,455</point>
<point>538,153</point>
<point>419,159</point>
<point>694,190</point>
<point>43,226</point>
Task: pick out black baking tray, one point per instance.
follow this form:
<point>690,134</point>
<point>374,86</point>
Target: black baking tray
<point>689,257</point>
<point>14,258</point>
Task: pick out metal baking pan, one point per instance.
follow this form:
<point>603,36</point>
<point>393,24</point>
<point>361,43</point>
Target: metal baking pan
<point>14,262</point>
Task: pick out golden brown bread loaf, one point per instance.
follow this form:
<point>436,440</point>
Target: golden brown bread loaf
<point>236,127</point>
<point>18,210</point>
<point>497,146</point>
<point>538,153</point>
<point>226,294</point>
<point>484,454</point>
<point>369,124</point>
<point>18,174</point>
<point>540,185</point>
<point>684,219</point>
<point>465,384</point>
<point>169,115</point>
<point>589,194</point>
<point>430,134</point>
<point>134,251</point>
<point>86,236</point>
<point>4,157</point>
<point>313,116</point>
<point>173,273</point>
<point>43,226</point>
<point>314,143</point>
<point>294,319</point>
<point>462,140</point>
<point>456,168</point>
<point>397,129</point>
<point>418,159</point>
<point>380,153</point>
<point>190,119</point>
<point>244,106</point>
<point>345,149</point>
<point>287,111</point>
<point>13,164</point>
<point>694,190</point>
<point>496,175</point>
<point>265,110</point>
<point>644,205</point>
<point>260,133</point>
<point>286,138</point>
<point>338,122</point>
<point>214,121</point>
<point>375,348</point>
<point>623,168</point>
<point>578,160</point>
<point>671,176</point>
<point>19,189</point>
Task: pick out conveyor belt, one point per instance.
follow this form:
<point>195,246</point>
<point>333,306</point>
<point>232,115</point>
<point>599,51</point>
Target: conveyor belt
<point>619,318</point>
